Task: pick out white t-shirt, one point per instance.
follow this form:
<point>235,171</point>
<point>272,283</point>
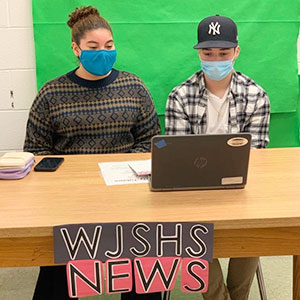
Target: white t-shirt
<point>217,113</point>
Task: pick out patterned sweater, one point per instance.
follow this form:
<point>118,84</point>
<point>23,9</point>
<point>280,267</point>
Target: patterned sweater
<point>71,115</point>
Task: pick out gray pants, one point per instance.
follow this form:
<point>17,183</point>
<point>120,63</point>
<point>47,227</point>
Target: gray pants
<point>239,279</point>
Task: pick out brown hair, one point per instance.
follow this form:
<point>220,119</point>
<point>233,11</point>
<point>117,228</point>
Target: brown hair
<point>84,19</point>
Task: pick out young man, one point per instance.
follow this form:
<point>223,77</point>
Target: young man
<point>219,100</point>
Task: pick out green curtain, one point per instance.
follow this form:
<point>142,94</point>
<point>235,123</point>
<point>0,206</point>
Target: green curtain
<point>155,40</point>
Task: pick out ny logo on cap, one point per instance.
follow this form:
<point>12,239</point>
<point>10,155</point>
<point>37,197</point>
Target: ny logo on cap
<point>214,28</point>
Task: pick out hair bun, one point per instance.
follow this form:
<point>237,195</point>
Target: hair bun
<point>81,13</point>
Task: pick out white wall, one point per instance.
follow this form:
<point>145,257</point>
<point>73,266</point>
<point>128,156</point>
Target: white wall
<point>17,71</point>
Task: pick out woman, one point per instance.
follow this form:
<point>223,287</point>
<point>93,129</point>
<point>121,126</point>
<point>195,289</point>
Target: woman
<point>92,109</point>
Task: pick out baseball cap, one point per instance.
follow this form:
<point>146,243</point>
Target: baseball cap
<point>217,32</point>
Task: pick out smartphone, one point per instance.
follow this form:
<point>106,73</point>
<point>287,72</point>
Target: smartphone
<point>49,164</point>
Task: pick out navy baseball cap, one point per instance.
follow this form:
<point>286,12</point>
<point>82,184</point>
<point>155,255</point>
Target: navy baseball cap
<point>217,32</point>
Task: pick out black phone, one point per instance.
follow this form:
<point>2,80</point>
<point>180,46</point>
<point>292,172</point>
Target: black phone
<point>49,164</point>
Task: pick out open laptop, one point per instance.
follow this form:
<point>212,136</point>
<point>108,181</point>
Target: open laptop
<point>186,162</point>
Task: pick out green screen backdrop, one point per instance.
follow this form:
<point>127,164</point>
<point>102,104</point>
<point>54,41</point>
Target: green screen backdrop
<point>155,39</point>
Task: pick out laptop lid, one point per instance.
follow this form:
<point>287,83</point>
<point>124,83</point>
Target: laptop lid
<point>184,162</point>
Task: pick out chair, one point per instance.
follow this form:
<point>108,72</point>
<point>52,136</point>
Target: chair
<point>260,281</point>
<point>167,295</point>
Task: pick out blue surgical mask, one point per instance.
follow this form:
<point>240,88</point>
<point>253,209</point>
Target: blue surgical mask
<point>98,62</point>
<point>217,70</point>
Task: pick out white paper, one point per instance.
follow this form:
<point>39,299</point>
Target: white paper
<point>141,167</point>
<point>117,173</point>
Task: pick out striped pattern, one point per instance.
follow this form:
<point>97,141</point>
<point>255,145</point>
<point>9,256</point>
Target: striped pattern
<point>114,115</point>
<point>249,108</point>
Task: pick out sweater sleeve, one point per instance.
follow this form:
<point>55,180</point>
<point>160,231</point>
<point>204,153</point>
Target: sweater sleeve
<point>39,135</point>
<point>147,123</point>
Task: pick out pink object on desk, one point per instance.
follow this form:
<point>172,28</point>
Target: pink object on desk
<point>16,173</point>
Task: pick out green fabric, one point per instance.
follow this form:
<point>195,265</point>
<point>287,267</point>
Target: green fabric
<point>155,40</point>
<point>284,130</point>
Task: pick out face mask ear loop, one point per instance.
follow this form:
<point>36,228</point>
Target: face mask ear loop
<point>234,58</point>
<point>80,50</point>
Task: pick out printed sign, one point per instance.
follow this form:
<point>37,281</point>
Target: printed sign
<point>146,256</point>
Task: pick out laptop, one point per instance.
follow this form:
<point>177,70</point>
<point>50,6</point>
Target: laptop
<point>190,162</point>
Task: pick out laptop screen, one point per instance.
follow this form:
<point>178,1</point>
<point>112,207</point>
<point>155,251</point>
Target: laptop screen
<point>199,161</point>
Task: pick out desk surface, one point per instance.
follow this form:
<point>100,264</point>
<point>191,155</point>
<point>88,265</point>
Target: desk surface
<point>262,219</point>
<point>76,193</point>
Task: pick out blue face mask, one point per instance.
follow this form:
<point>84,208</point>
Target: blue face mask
<point>217,70</point>
<point>98,62</point>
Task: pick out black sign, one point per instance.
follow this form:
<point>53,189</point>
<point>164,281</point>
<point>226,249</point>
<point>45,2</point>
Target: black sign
<point>104,241</point>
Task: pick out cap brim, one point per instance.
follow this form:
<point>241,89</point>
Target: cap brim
<point>215,44</point>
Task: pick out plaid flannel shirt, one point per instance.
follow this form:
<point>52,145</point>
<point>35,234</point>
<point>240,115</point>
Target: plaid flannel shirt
<point>249,108</point>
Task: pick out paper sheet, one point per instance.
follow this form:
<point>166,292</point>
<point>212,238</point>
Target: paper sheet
<point>141,167</point>
<point>117,173</point>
